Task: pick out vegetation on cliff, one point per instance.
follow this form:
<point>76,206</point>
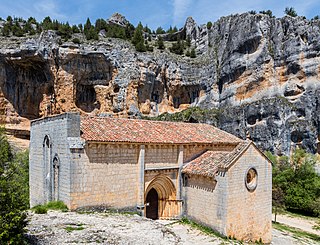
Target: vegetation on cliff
<point>192,115</point>
<point>14,193</point>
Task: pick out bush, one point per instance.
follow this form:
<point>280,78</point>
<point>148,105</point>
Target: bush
<point>40,209</point>
<point>193,53</point>
<point>160,43</point>
<point>297,183</point>
<point>53,205</point>
<point>13,193</point>
<point>290,11</point>
<point>209,24</point>
<point>76,40</point>
<point>57,205</point>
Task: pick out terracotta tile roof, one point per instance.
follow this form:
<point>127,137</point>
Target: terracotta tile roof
<point>144,131</point>
<point>210,162</point>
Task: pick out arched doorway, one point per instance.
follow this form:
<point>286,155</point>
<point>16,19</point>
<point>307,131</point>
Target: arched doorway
<point>152,204</point>
<point>162,189</point>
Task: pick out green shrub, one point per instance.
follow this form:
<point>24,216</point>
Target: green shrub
<point>290,11</point>
<point>77,227</point>
<point>13,193</point>
<point>295,183</point>
<point>57,205</point>
<point>40,209</point>
<point>76,40</point>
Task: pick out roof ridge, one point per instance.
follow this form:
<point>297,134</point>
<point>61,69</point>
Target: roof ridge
<point>152,121</point>
<point>229,159</point>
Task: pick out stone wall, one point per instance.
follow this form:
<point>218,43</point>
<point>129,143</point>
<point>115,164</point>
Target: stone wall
<point>249,212</point>
<point>205,200</point>
<point>105,174</point>
<point>158,156</point>
<point>56,130</point>
<point>190,151</point>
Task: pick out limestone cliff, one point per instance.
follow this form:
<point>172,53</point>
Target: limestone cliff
<point>262,74</point>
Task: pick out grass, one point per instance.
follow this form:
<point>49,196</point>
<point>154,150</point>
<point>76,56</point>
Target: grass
<point>54,205</point>
<point>296,232</point>
<point>77,227</point>
<point>205,229</point>
<point>57,205</point>
<point>40,209</point>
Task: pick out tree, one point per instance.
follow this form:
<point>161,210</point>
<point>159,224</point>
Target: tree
<point>188,41</point>
<point>297,180</point>
<point>89,31</point>
<point>277,200</point>
<point>6,30</point>
<point>65,31</point>
<point>209,24</point>
<point>193,53</point>
<point>290,11</point>
<point>177,47</point>
<point>160,30</point>
<point>47,23</point>
<point>17,30</point>
<point>267,12</point>
<point>160,43</point>
<point>13,193</point>
<point>147,29</point>
<point>137,39</point>
<point>100,25</point>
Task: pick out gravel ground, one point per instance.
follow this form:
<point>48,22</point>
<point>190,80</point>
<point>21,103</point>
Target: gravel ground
<point>298,222</point>
<point>112,228</point>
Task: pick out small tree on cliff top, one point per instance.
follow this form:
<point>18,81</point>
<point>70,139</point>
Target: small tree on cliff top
<point>290,11</point>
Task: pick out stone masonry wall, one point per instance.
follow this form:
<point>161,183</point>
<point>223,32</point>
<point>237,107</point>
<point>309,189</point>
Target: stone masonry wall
<point>158,156</point>
<point>105,174</point>
<point>190,151</point>
<point>205,201</point>
<point>57,129</point>
<point>249,213</point>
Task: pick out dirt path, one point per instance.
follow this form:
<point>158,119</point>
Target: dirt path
<point>297,222</point>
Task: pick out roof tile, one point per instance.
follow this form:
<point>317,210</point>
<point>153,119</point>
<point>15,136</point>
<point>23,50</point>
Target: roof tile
<point>144,131</point>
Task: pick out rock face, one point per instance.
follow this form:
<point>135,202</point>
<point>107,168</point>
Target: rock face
<point>262,73</point>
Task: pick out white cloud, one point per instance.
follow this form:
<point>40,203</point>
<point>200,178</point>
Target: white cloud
<point>180,8</point>
<point>48,8</point>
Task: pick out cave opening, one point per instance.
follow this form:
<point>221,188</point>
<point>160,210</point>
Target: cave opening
<point>26,81</point>
<point>296,137</point>
<point>86,98</point>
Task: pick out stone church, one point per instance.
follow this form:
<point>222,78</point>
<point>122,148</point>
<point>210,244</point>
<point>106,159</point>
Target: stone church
<point>163,170</point>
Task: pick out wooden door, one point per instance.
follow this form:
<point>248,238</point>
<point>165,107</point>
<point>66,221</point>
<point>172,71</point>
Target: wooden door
<point>152,204</point>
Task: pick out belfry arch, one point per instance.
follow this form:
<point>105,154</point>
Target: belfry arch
<point>168,206</point>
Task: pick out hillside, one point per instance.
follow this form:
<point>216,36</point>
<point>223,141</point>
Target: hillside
<point>261,73</point>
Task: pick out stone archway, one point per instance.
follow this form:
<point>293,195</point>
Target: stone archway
<point>168,205</point>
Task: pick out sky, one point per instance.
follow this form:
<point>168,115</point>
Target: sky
<point>154,13</point>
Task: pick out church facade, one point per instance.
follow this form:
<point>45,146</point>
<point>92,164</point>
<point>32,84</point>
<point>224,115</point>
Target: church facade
<point>163,170</point>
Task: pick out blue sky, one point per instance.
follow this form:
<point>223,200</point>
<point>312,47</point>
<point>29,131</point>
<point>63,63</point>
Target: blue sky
<point>152,12</point>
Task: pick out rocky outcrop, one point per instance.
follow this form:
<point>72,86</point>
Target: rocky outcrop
<point>262,73</point>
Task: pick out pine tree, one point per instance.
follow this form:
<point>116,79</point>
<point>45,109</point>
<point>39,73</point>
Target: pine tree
<point>193,53</point>
<point>290,11</point>
<point>160,43</point>
<point>137,39</point>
